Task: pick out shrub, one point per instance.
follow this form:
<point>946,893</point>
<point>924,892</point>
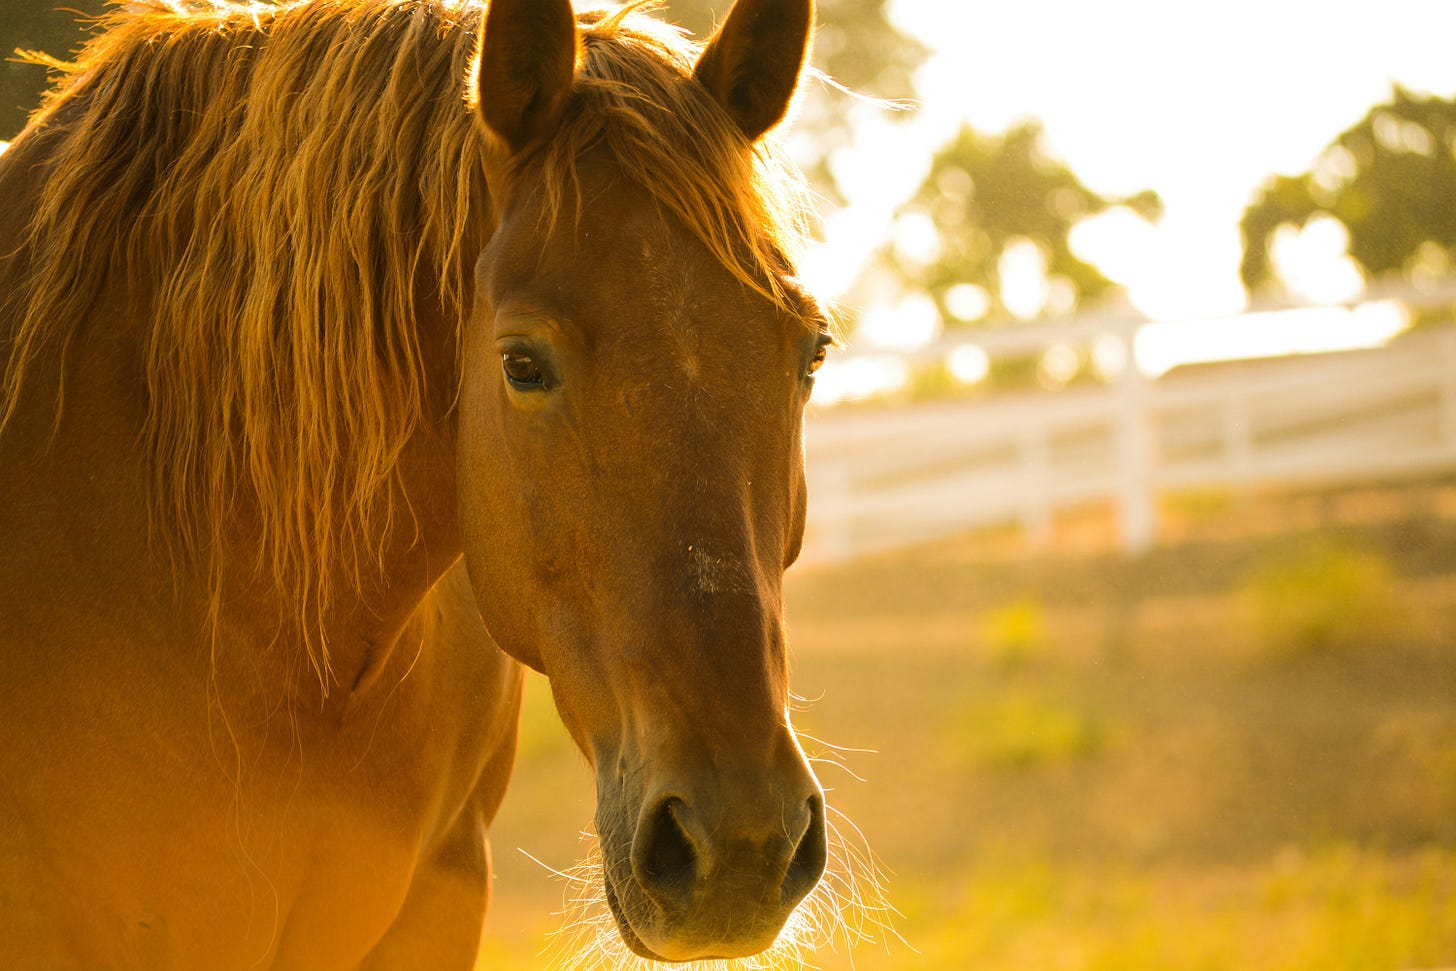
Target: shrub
<point>1321,596</point>
<point>1016,633</point>
<point>1022,730</point>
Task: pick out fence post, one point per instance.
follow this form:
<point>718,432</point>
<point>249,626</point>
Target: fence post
<point>1238,437</point>
<point>1136,457</point>
<point>1448,387</point>
<point>1033,450</point>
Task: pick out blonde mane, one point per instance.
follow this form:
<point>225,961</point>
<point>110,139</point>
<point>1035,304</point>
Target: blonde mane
<point>289,182</point>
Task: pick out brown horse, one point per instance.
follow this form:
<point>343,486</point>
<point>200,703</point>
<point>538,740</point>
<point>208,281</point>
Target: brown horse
<point>330,328</point>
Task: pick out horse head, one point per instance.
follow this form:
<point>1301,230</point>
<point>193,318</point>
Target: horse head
<point>631,465</point>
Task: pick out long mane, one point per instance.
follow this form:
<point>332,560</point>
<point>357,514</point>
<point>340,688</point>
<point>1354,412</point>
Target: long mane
<point>289,182</point>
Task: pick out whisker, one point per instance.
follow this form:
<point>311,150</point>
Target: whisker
<point>569,875</point>
<point>836,748</point>
<point>848,907</point>
<point>801,703</point>
<point>819,760</point>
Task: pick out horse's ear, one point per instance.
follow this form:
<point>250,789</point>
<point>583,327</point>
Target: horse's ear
<point>752,64</point>
<point>527,61</point>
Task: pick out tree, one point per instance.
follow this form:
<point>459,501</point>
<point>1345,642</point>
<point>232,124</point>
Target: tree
<point>988,204</point>
<point>1389,180</point>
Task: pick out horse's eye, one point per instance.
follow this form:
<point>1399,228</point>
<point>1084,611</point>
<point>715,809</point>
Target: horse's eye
<point>820,354</point>
<point>522,372</point>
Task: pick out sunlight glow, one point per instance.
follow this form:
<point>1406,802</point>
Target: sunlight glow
<point>915,238</point>
<point>1118,242</point>
<point>967,302</point>
<point>968,364</point>
<point>1314,261</point>
<point>1022,273</point>
<point>1109,356</point>
<point>907,325</point>
<point>1148,109</point>
<point>1154,108</point>
<point>1058,365</point>
<point>860,377</point>
<point>1160,347</point>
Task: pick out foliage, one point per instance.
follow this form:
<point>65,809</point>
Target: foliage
<point>1321,596</point>
<point>990,196</point>
<point>1343,907</point>
<point>1388,180</point>
<point>1016,632</point>
<point>1022,729</point>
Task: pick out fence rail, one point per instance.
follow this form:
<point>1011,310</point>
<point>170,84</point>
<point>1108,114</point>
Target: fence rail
<point>881,479</point>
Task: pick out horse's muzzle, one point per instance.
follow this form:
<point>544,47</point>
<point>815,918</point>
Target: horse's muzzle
<point>710,878</point>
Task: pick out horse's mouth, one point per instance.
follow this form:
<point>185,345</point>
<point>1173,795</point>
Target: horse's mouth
<point>629,936</point>
<point>633,942</point>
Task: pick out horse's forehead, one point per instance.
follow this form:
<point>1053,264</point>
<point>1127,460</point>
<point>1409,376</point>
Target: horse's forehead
<point>679,327</point>
<point>674,287</point>
<point>633,276</point>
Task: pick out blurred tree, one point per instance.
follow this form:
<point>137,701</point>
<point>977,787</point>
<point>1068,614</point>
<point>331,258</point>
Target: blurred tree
<point>994,208</point>
<point>1389,180</point>
<point>54,27</point>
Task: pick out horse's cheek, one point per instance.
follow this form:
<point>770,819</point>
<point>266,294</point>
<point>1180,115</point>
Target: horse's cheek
<point>489,529</point>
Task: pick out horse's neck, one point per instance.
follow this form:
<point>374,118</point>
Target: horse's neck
<point>75,496</point>
<point>378,586</point>
<point>70,492</point>
<point>365,624</point>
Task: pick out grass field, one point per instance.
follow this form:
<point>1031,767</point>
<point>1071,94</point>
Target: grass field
<point>1236,753</point>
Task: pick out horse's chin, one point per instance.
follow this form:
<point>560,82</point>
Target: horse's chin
<point>636,945</point>
<point>629,936</point>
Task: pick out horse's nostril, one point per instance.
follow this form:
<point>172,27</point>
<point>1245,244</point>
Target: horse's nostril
<point>810,856</point>
<point>663,856</point>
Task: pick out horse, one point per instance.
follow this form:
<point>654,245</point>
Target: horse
<point>359,355</point>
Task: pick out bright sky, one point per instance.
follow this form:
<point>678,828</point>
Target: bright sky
<point>1200,102</point>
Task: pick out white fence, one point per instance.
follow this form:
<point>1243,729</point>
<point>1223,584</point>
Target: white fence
<point>891,477</point>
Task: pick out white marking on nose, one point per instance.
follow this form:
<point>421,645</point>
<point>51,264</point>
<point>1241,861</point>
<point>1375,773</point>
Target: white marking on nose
<point>711,574</point>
